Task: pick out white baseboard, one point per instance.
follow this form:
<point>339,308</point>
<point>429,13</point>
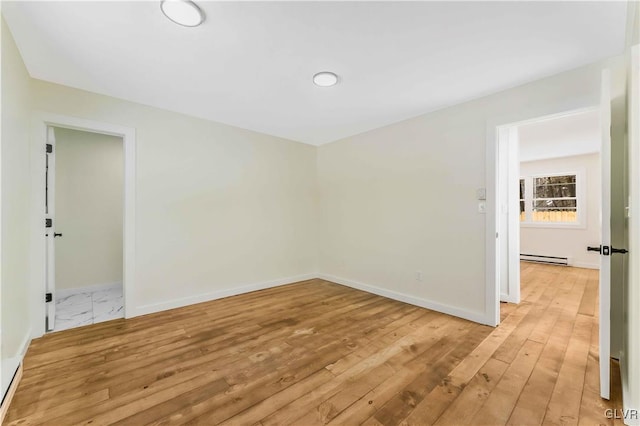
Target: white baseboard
<point>478,317</point>
<point>24,346</point>
<point>206,297</point>
<point>13,387</point>
<point>585,265</point>
<point>11,365</point>
<point>22,351</point>
<point>64,292</point>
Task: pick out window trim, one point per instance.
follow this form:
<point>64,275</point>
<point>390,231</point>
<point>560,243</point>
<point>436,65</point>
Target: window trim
<point>581,205</point>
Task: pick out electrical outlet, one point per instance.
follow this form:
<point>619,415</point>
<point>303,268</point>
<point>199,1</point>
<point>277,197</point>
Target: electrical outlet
<point>418,275</point>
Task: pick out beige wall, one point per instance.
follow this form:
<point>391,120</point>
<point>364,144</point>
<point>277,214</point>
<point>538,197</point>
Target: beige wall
<point>568,242</point>
<point>89,172</point>
<point>217,207</point>
<point>402,198</point>
<point>15,206</point>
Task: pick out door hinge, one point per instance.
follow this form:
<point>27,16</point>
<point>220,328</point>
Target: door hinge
<point>49,148</point>
<point>48,297</point>
<point>48,223</point>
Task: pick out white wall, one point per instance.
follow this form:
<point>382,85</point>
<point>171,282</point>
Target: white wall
<point>218,208</point>
<point>16,181</point>
<point>89,169</point>
<point>573,134</point>
<point>568,242</point>
<point>402,198</point>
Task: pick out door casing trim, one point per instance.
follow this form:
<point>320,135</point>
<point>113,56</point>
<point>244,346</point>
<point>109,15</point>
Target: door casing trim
<point>40,122</point>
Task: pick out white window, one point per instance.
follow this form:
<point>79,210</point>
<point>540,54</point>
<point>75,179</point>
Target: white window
<point>552,200</point>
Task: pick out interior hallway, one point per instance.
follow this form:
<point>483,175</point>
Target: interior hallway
<point>315,352</point>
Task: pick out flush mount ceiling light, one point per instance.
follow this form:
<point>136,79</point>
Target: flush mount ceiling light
<point>325,79</point>
<point>182,12</point>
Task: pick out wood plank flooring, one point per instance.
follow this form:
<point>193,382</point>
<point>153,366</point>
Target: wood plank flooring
<point>319,353</point>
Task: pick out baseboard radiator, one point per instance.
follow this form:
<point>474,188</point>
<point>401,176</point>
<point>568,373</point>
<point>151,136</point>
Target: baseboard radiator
<point>549,260</point>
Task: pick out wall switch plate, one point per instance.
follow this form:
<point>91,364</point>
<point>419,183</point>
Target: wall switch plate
<point>627,209</point>
<point>482,207</point>
<point>481,193</point>
<point>418,275</point>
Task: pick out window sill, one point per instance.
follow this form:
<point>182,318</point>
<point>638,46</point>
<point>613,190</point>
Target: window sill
<point>556,225</point>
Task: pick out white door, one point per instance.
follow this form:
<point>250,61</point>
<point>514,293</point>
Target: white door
<point>605,248</point>
<point>50,223</point>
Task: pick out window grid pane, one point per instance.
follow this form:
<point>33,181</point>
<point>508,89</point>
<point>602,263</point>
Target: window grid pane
<point>554,199</point>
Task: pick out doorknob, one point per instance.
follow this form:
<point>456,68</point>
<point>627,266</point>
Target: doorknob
<point>55,234</point>
<point>603,250</point>
<point>607,250</point>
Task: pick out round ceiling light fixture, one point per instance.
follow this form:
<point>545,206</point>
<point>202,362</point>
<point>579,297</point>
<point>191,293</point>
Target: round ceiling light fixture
<point>182,12</point>
<point>325,79</point>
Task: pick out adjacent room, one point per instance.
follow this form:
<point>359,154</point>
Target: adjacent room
<point>560,190</point>
<point>319,212</point>
<point>87,190</point>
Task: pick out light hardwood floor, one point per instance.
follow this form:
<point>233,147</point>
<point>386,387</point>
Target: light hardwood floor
<point>316,352</point>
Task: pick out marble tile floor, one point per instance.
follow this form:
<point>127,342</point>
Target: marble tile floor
<point>86,308</point>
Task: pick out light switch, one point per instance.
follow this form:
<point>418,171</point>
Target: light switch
<point>482,207</point>
<point>481,194</point>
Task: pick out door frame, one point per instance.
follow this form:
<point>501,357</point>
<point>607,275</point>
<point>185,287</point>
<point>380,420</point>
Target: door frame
<point>507,199</point>
<point>493,164</point>
<point>40,122</point>
<point>604,282</point>
<point>49,213</point>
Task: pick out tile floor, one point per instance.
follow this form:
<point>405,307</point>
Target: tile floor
<point>86,308</point>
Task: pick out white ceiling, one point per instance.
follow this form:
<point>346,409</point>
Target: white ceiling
<point>575,134</point>
<point>251,63</point>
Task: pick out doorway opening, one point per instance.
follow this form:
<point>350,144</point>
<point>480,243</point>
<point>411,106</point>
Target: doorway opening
<point>40,284</point>
<point>544,203</point>
<point>84,193</point>
<point>549,194</point>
